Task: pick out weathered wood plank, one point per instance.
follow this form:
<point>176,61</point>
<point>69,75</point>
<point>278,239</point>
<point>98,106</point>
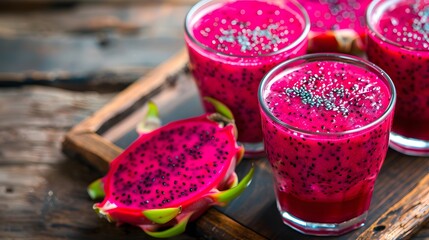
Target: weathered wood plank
<point>133,97</point>
<point>403,219</point>
<point>216,225</point>
<point>91,147</point>
<point>38,107</point>
<point>90,46</point>
<point>33,121</point>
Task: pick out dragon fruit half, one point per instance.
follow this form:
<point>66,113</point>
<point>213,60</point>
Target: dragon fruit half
<point>173,174</point>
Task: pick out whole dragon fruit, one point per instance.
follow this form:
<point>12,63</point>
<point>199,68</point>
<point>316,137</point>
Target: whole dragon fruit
<point>171,175</point>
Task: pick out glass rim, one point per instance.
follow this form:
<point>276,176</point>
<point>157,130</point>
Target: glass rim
<point>370,12</point>
<point>327,57</point>
<point>203,3</point>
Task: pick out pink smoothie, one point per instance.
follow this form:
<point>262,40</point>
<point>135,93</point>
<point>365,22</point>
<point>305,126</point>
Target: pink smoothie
<point>325,158</point>
<point>232,44</point>
<point>404,55</point>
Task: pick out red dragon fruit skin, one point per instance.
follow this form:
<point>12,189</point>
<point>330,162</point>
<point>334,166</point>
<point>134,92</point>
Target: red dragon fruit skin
<point>173,174</point>
<point>398,42</point>
<point>336,25</point>
<point>326,120</point>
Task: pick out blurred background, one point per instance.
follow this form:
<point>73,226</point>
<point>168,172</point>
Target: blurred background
<point>100,45</point>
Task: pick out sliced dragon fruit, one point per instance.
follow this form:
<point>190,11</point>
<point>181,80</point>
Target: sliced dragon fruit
<point>173,174</point>
<point>336,25</point>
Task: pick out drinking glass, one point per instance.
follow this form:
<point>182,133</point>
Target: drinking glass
<point>232,44</point>
<point>326,120</point>
<point>398,42</point>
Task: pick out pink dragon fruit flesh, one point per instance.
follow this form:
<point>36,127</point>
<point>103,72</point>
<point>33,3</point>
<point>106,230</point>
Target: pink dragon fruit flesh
<point>173,174</point>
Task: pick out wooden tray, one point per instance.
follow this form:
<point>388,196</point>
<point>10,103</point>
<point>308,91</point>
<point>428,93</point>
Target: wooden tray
<point>400,205</point>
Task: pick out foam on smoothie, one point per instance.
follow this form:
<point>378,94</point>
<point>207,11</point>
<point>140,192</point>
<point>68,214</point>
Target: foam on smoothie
<point>336,14</point>
<point>407,24</point>
<point>248,28</point>
<point>328,96</point>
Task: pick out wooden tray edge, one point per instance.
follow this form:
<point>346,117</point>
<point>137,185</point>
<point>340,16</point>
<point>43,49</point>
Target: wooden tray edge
<point>137,93</point>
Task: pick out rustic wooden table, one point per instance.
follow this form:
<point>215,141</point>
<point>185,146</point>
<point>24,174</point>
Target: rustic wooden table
<point>61,63</point>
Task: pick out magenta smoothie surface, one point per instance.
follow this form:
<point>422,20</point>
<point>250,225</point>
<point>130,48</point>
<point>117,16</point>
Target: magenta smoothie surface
<point>326,130</point>
<point>232,44</point>
<point>399,43</point>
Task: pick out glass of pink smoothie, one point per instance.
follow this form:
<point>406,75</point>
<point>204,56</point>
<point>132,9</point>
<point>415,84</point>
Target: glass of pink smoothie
<point>326,120</point>
<point>398,42</point>
<point>232,44</point>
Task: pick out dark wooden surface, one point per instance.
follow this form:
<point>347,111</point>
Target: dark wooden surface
<point>42,191</point>
<point>101,46</point>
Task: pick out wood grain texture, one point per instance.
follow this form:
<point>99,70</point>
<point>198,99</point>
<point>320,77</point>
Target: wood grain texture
<point>133,97</point>
<point>94,149</point>
<point>216,225</point>
<point>403,219</point>
<point>90,46</point>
